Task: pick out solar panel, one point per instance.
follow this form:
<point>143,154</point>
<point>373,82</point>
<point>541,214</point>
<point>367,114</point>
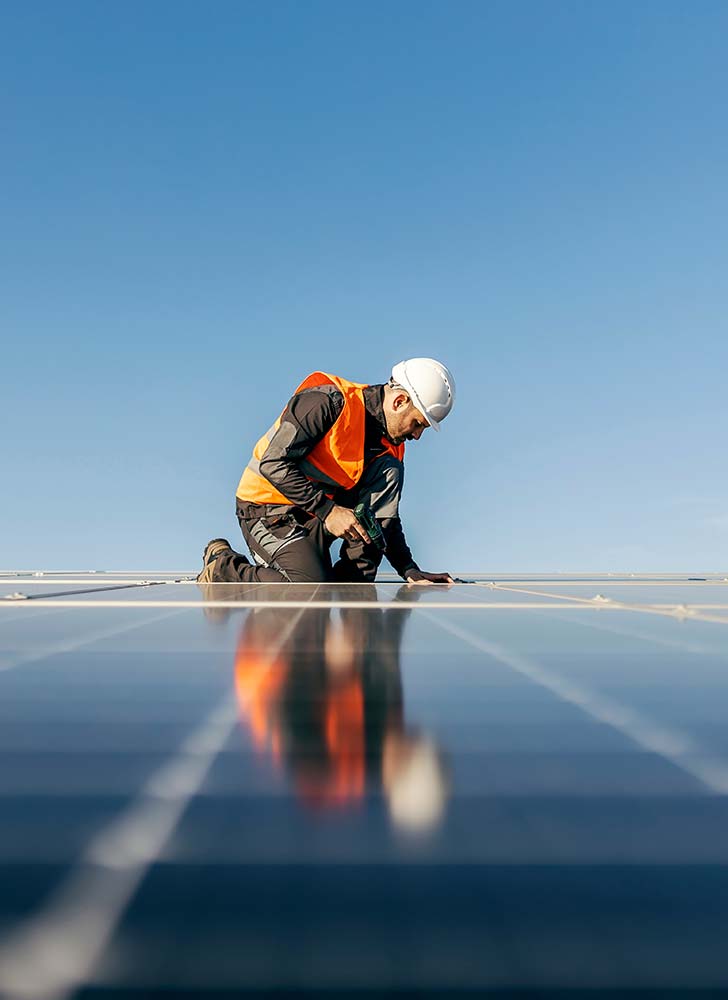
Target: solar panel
<point>513,784</point>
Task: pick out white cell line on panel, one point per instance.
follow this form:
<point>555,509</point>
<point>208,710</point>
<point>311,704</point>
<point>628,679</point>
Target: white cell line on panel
<point>682,612</point>
<point>20,596</point>
<point>9,662</point>
<point>670,610</point>
<point>54,952</point>
<point>710,770</point>
<point>100,574</point>
<point>440,605</point>
<point>8,616</point>
<point>683,645</point>
<point>473,577</point>
<point>99,584</point>
<point>697,606</point>
<point>615,580</point>
<point>70,645</point>
<point>609,583</point>
<point>679,612</point>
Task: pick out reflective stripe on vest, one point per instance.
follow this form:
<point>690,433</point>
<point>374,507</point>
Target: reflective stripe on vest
<point>337,460</point>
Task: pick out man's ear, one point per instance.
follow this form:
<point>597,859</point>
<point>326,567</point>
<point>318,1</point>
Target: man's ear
<point>400,400</point>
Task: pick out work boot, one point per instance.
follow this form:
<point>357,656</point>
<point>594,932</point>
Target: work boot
<point>213,550</point>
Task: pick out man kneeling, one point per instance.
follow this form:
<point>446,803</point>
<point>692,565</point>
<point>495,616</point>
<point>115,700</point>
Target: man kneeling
<point>336,445</point>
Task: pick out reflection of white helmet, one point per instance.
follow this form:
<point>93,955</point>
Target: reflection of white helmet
<point>430,385</point>
<point>418,788</point>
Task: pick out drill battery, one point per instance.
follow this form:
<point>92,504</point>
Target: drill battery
<point>370,524</point>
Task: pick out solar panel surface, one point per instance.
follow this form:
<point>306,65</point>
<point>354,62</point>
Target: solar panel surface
<point>517,784</point>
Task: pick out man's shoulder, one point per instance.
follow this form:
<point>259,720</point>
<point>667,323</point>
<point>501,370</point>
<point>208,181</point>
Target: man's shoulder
<point>315,408</point>
<point>323,396</point>
<point>326,389</point>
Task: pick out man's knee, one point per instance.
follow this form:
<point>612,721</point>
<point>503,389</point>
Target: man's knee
<point>301,562</point>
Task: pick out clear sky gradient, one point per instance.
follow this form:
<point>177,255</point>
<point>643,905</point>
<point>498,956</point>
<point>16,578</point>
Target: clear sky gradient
<point>202,203</point>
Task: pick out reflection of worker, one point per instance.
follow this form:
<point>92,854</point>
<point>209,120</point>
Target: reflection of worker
<point>336,444</point>
<point>336,722</point>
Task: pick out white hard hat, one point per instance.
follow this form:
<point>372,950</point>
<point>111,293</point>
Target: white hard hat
<point>429,384</point>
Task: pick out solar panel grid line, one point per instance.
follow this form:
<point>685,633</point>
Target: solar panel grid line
<point>90,590</point>
<point>709,769</point>
<point>679,612</point>
<point>671,610</point>
<point>108,583</point>
<point>8,616</point>
<point>483,578</point>
<point>693,584</point>
<point>293,604</point>
<point>465,589</point>
<point>479,576</point>
<point>94,574</point>
<point>70,645</point>
<point>54,952</point>
<point>692,596</point>
<point>682,644</point>
<point>595,599</point>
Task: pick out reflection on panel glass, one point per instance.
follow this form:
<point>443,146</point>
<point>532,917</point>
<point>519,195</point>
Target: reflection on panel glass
<point>325,702</point>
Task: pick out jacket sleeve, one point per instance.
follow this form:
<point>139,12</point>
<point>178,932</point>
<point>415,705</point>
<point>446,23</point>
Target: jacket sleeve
<point>306,418</point>
<point>397,551</point>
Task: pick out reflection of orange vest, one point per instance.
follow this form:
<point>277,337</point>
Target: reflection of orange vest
<point>259,686</point>
<point>345,744</point>
<point>337,460</point>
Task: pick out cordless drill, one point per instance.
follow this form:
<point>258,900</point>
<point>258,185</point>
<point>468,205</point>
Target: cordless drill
<point>370,524</point>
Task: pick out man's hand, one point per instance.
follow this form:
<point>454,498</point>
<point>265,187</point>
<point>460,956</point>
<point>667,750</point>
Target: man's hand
<point>341,523</point>
<point>419,576</point>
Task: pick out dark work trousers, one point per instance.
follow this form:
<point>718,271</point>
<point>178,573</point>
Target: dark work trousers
<point>289,546</point>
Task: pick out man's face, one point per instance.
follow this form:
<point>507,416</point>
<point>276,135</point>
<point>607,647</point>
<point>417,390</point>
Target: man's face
<point>404,421</point>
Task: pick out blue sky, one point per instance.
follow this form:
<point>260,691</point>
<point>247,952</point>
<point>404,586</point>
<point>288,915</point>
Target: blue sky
<point>201,203</point>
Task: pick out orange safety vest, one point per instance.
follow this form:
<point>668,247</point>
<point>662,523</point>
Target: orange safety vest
<point>337,460</point>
